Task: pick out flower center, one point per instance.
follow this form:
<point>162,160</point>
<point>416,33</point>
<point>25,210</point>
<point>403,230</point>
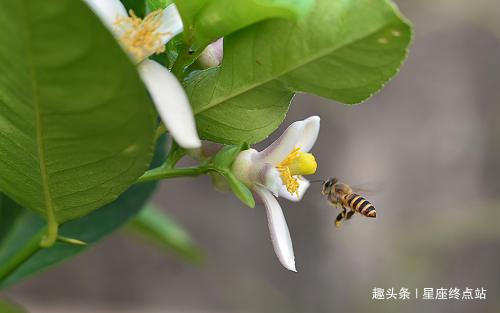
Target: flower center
<point>295,164</point>
<point>140,37</point>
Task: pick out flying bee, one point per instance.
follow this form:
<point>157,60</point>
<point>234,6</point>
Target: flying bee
<point>342,196</point>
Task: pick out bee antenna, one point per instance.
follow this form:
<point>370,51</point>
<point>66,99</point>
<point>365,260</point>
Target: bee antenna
<point>317,181</point>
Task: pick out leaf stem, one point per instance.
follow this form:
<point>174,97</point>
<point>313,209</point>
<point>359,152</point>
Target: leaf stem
<point>50,236</point>
<point>166,173</point>
<point>180,62</point>
<point>27,252</point>
<point>175,154</point>
<point>186,57</point>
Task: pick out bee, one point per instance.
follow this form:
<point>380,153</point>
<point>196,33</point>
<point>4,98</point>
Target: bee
<point>342,196</point>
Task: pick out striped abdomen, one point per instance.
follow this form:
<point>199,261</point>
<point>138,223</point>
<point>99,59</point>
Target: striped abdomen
<point>360,204</point>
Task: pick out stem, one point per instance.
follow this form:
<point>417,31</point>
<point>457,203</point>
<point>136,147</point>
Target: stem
<point>27,252</point>
<point>174,155</point>
<point>178,67</point>
<point>50,236</point>
<point>165,173</point>
<point>185,58</point>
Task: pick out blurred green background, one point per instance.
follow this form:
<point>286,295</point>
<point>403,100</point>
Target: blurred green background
<point>431,138</point>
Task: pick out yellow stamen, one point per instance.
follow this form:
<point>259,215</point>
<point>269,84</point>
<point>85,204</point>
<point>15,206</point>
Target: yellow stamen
<point>291,183</point>
<point>295,164</point>
<point>140,37</point>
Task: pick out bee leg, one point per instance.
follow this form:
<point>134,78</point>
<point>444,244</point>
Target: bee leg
<point>340,217</point>
<point>350,214</point>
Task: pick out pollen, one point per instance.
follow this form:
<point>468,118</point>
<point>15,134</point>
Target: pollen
<point>296,163</point>
<point>140,37</point>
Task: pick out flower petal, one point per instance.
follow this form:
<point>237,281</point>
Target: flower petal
<point>171,23</point>
<point>309,134</point>
<point>271,179</point>
<point>171,102</point>
<point>107,10</point>
<point>282,146</point>
<point>303,186</point>
<point>280,236</point>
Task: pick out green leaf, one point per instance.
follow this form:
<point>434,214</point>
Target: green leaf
<point>171,52</point>
<point>20,238</point>
<point>157,4</point>
<point>343,50</point>
<point>18,226</point>
<point>188,10</point>
<point>225,157</point>
<point>9,307</point>
<point>73,136</point>
<point>207,20</point>
<point>246,117</point>
<point>240,190</point>
<point>222,161</point>
<point>137,6</point>
<point>159,228</point>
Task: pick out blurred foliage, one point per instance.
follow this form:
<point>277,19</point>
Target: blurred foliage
<point>160,229</point>
<point>9,307</point>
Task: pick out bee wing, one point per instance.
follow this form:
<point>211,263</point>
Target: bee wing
<point>368,188</point>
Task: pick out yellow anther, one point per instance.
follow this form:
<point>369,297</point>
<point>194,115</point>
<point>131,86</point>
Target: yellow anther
<point>140,37</point>
<point>304,164</point>
<point>291,183</point>
<point>296,163</point>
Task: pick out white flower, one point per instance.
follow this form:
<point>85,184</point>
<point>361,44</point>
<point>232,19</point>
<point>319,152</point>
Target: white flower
<point>141,38</point>
<point>278,170</point>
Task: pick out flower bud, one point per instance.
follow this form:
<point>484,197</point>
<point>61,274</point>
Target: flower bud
<point>212,55</point>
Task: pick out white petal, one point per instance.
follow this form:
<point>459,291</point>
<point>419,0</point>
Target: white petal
<point>107,10</point>
<point>303,186</point>
<point>280,148</point>
<point>310,134</point>
<point>272,179</point>
<point>171,23</point>
<point>171,102</point>
<point>280,236</point>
